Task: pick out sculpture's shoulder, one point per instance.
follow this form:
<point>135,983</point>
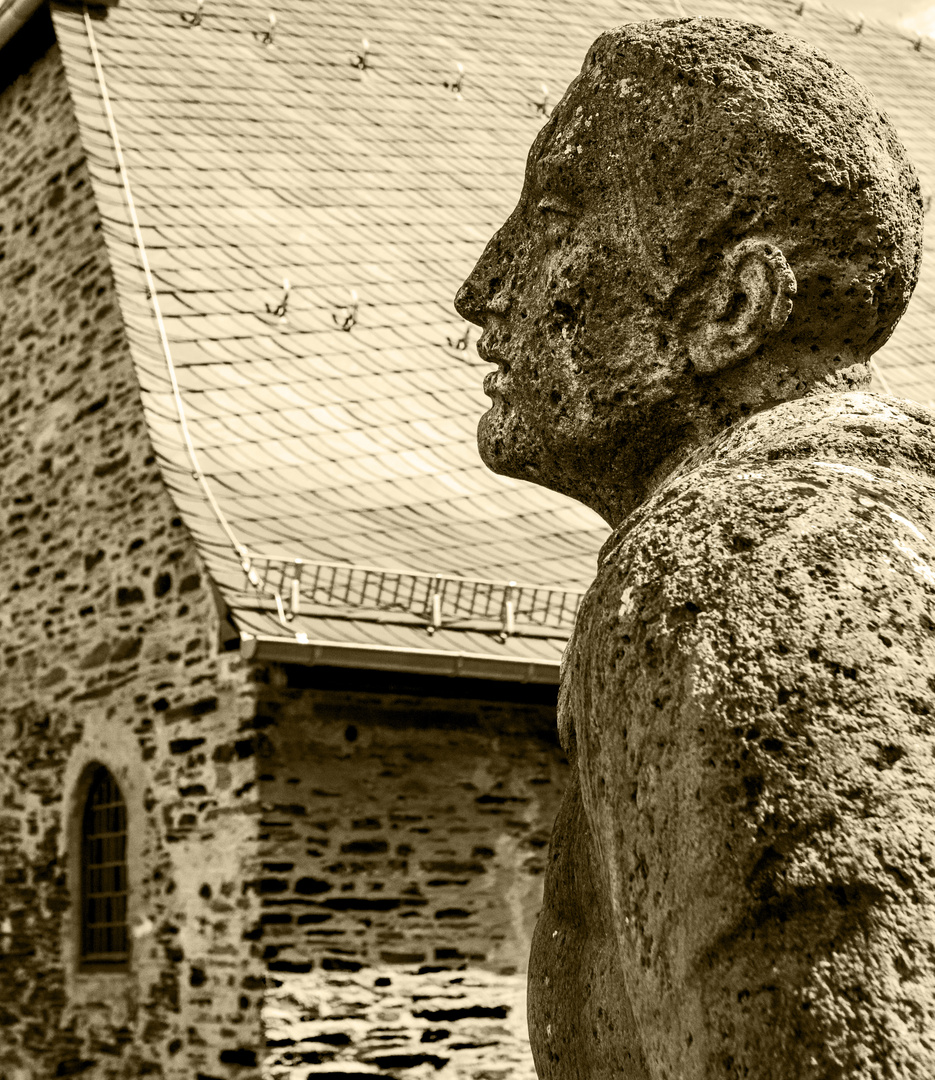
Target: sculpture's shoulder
<point>837,476</point>
<point>802,526</point>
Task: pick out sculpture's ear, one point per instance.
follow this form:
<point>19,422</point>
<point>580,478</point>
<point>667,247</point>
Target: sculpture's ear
<point>749,300</point>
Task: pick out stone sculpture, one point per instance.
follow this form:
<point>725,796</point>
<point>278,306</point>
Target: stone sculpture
<point>716,230</point>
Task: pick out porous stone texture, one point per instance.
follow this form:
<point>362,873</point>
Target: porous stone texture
<point>402,848</point>
<point>714,219</point>
<point>716,231</point>
<point>109,644</point>
<point>751,694</point>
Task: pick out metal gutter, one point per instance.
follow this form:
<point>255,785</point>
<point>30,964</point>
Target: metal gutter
<point>395,658</point>
<point>403,618</point>
<point>13,15</point>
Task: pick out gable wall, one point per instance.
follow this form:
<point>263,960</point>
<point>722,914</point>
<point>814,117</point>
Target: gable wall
<point>108,652</point>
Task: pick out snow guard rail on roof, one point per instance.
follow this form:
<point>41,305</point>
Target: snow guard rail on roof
<point>431,600</point>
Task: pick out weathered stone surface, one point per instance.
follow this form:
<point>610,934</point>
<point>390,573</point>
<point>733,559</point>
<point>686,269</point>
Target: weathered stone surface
<point>714,219</point>
<point>716,231</point>
<point>403,838</point>
<point>751,696</point>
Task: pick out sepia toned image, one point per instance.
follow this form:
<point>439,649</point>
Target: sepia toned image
<point>467,497</point>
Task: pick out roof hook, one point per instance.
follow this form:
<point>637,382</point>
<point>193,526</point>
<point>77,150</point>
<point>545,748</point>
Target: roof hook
<point>361,60</point>
<point>800,10</point>
<point>917,44</point>
<point>435,600</point>
<point>266,36</point>
<point>345,318</point>
<point>194,18</point>
<point>248,568</point>
<point>542,105</point>
<point>295,591</point>
<point>508,613</point>
<point>281,308</point>
<point>460,344</point>
<point>861,22</point>
<point>456,84</point>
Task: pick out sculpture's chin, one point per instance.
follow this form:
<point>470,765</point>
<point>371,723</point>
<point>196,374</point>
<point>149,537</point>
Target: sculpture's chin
<point>506,445</point>
<point>498,443</point>
<point>490,440</point>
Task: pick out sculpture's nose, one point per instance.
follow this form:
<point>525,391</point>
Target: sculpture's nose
<point>485,290</point>
<point>467,300</point>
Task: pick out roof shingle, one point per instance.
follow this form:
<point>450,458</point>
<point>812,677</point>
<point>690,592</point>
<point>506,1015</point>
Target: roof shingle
<point>248,164</point>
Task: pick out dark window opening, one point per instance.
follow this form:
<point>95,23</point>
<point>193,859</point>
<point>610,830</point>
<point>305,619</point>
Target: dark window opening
<point>104,938</point>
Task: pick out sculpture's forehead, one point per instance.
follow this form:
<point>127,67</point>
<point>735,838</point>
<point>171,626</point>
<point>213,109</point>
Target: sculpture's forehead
<point>580,135</point>
<point>581,111</point>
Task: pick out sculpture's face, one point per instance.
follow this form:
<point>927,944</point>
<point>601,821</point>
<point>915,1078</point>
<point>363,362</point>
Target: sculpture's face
<point>560,293</point>
<point>678,258</point>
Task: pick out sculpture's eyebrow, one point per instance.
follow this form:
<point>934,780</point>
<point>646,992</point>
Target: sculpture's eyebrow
<point>548,169</point>
<point>553,175</point>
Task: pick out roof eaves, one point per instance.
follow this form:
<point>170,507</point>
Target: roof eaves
<point>392,658</point>
<point>14,14</point>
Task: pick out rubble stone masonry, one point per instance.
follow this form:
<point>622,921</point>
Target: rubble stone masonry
<point>344,864</point>
<point>109,653</point>
<point>403,839</point>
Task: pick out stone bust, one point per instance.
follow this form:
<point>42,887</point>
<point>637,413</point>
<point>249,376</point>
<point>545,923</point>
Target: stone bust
<point>716,231</point>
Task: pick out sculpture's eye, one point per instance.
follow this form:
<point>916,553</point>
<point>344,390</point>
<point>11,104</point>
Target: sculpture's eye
<point>548,206</point>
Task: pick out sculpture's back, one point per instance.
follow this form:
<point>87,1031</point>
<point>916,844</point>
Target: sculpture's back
<point>716,232</point>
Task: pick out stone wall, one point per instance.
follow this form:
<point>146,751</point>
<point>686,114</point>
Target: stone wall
<point>350,868</point>
<point>404,833</point>
<point>109,652</point>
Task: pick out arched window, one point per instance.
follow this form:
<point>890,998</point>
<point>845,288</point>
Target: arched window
<point>104,873</point>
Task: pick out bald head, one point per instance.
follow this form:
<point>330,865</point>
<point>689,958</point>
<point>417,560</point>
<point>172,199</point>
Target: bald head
<point>726,129</point>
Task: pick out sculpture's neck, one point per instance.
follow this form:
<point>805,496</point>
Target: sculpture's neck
<point>801,428</point>
<point>660,438</point>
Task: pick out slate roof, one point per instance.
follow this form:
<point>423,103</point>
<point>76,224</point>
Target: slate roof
<point>250,162</point>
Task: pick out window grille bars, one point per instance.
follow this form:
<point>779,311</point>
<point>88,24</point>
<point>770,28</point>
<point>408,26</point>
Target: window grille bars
<point>104,937</point>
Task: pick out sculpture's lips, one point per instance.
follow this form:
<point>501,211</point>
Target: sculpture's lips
<point>492,378</point>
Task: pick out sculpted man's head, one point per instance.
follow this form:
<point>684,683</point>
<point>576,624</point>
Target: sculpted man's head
<point>714,219</point>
